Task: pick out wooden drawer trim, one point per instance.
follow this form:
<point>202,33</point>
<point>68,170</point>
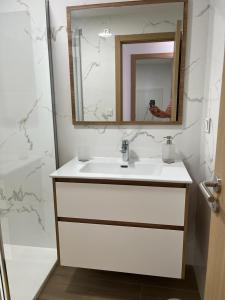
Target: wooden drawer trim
<point>119,223</point>
<point>122,182</point>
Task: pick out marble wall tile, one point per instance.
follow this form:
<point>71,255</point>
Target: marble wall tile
<point>215,10</point>
<point>26,128</point>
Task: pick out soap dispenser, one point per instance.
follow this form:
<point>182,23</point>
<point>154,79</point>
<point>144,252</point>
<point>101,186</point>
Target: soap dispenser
<point>168,150</point>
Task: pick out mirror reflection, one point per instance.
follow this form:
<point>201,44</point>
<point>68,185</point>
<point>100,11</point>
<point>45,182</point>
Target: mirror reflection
<point>150,82</point>
<point>152,98</point>
<point>124,62</point>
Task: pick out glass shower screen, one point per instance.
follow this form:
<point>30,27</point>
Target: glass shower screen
<point>27,149</point>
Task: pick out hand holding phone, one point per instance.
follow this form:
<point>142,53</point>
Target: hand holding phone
<point>151,103</point>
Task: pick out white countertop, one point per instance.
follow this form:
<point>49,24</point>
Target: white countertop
<point>147,169</point>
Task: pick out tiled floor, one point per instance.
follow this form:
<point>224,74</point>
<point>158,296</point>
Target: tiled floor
<point>80,284</point>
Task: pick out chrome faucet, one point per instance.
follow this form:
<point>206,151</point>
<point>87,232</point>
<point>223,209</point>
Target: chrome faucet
<point>125,150</point>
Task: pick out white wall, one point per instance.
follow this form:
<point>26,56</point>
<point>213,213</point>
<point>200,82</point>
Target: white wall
<point>212,92</point>
<point>27,154</point>
<point>26,127</point>
<point>98,70</point>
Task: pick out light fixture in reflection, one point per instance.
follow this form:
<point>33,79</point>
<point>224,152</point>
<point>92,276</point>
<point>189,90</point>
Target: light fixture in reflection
<point>106,33</point>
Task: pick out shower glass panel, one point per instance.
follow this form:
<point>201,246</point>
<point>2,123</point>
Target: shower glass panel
<point>27,152</point>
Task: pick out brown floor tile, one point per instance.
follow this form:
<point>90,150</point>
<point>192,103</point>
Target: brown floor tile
<point>81,284</point>
<point>162,293</point>
<point>189,283</point>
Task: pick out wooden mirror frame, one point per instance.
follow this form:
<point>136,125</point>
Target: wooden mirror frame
<point>119,120</point>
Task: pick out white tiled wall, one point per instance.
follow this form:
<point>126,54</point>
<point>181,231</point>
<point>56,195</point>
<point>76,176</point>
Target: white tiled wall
<point>212,91</point>
<point>27,152</point>
<point>26,128</point>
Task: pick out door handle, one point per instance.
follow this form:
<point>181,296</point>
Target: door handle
<point>216,184</point>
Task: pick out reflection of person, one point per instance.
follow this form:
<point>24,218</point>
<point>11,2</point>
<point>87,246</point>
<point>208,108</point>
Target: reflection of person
<point>157,112</point>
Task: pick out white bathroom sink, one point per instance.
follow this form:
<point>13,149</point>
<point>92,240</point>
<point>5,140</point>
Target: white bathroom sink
<point>120,168</point>
<point>146,169</point>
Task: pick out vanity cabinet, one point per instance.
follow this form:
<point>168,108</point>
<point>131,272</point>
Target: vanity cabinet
<point>124,226</point>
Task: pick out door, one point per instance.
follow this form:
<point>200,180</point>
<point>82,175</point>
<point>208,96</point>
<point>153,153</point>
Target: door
<point>176,68</point>
<point>215,277</point>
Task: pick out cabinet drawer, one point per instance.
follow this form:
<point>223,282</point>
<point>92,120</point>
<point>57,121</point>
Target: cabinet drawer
<point>139,204</point>
<point>124,249</point>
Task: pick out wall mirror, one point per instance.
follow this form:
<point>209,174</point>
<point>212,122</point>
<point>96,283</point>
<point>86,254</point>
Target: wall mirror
<point>127,62</point>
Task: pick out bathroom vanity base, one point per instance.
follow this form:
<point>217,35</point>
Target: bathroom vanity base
<point>131,227</point>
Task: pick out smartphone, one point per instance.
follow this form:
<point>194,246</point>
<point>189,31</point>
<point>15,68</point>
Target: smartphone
<point>151,103</point>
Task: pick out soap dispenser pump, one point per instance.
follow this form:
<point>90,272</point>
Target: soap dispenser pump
<point>168,150</point>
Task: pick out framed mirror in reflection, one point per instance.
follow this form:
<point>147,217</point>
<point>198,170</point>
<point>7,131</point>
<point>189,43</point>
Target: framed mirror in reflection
<point>126,62</point>
<point>151,87</point>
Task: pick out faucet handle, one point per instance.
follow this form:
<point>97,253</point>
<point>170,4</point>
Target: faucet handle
<point>125,150</point>
<point>125,143</point>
